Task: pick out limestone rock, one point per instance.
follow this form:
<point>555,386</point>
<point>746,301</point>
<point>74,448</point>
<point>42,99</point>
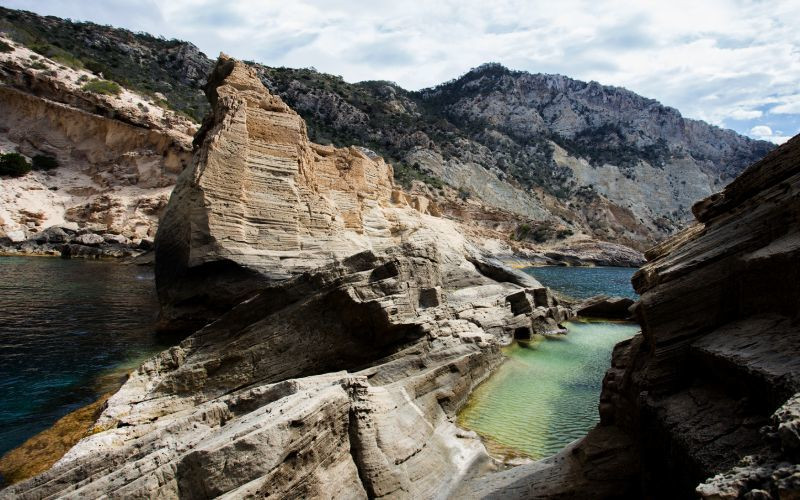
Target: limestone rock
<point>117,158</point>
<point>263,203</point>
<point>338,383</point>
<point>341,381</point>
<point>89,239</point>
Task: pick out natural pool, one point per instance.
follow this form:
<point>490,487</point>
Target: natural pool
<point>545,396</point>
<point>69,329</point>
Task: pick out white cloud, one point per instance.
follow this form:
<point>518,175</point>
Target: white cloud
<point>744,114</point>
<point>765,133</point>
<point>789,105</point>
<point>761,131</point>
<point>724,61</point>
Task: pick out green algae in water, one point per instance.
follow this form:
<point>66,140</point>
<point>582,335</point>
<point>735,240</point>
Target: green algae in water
<point>546,394</point>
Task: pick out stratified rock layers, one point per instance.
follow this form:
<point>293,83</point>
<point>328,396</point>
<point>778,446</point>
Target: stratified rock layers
<point>264,203</point>
<point>340,381</point>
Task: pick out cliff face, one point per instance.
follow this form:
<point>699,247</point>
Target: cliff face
<point>118,158</point>
<point>264,203</point>
<point>705,400</point>
<point>337,382</point>
<point>717,358</point>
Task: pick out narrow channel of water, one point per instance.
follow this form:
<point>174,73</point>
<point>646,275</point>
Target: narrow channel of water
<point>67,330</point>
<point>546,394</point>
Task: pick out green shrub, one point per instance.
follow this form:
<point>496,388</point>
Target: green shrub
<point>14,164</point>
<point>563,233</point>
<point>4,47</point>
<point>38,65</point>
<point>44,162</point>
<point>103,87</point>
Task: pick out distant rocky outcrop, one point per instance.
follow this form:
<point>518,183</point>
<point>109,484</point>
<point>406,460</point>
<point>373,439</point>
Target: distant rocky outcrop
<point>118,155</point>
<point>69,243</point>
<point>705,400</point>
<point>340,381</point>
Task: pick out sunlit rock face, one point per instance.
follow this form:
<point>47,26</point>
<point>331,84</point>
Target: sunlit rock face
<point>263,203</point>
<point>118,155</point>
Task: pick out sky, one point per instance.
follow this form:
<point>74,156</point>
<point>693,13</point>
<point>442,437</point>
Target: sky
<point>732,63</point>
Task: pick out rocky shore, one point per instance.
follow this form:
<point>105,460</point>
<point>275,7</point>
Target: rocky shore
<point>704,402</point>
<point>334,324</point>
<point>342,323</point>
<point>69,243</point>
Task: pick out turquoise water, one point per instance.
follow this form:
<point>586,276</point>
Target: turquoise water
<point>585,282</point>
<point>546,394</point>
<point>66,327</point>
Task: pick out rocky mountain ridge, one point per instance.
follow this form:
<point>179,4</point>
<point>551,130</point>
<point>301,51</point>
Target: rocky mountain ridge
<point>554,153</point>
<point>119,156</point>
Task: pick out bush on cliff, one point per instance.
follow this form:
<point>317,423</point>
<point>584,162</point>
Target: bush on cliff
<point>14,164</point>
<point>103,87</point>
<point>4,47</point>
<point>44,162</point>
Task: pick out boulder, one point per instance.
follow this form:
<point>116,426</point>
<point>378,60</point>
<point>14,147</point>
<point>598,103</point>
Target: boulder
<point>89,239</point>
<point>53,234</point>
<point>116,239</point>
<point>17,236</point>
<point>603,306</point>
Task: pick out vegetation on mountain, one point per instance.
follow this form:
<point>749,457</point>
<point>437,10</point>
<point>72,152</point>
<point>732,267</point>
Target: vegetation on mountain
<point>44,162</point>
<point>104,87</point>
<point>14,165</point>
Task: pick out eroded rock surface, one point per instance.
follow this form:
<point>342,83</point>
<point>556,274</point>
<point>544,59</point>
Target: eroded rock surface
<point>341,381</point>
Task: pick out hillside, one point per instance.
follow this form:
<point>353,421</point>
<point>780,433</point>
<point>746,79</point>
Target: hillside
<point>562,157</point>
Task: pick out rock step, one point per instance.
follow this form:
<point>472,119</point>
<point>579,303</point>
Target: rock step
<point>696,433</point>
<point>755,357</point>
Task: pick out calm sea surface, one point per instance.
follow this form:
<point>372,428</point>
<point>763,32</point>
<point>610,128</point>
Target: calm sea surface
<point>69,329</point>
<point>545,396</point>
<point>584,282</point>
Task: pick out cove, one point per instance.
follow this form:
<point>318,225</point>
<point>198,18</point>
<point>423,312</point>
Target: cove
<point>69,331</point>
<point>546,394</point>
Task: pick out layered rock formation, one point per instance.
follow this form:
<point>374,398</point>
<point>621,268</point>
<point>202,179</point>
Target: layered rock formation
<point>708,392</point>
<point>264,203</point>
<point>337,382</point>
<point>118,156</point>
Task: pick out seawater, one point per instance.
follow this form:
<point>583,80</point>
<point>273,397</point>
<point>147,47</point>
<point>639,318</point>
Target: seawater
<point>69,329</point>
<point>546,394</point>
<point>585,282</point>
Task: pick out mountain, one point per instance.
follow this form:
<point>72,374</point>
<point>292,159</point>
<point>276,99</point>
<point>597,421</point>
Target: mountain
<point>559,156</point>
